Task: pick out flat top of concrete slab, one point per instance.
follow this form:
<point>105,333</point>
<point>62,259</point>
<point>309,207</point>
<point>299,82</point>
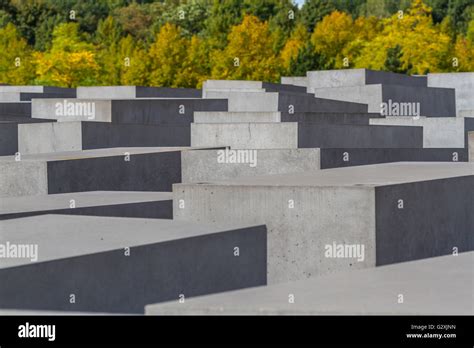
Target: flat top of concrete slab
<point>108,152</point>
<point>62,236</point>
<point>11,205</point>
<point>358,176</point>
<point>436,286</point>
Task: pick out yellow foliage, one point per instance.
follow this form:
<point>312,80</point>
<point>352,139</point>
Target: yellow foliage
<point>249,54</point>
<point>424,47</point>
<point>297,40</point>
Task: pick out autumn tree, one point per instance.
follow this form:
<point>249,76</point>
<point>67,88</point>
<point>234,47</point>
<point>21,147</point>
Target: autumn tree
<point>167,55</point>
<point>70,62</point>
<point>419,45</point>
<point>249,54</point>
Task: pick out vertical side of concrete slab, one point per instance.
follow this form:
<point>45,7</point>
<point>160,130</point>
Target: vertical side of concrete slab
<point>23,178</point>
<point>49,137</point>
<point>437,217</point>
<point>143,172</point>
<point>471,146</point>
<point>67,109</point>
<point>297,237</point>
<point>109,282</point>
<point>8,138</point>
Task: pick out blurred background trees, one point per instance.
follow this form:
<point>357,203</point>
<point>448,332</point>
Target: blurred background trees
<point>181,43</point>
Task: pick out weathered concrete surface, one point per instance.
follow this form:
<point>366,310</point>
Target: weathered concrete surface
<point>236,117</point>
<point>131,92</point>
<point>8,139</point>
<point>360,77</point>
<point>209,165</point>
<point>437,131</point>
<point>267,117</point>
<point>290,135</point>
<point>166,259</point>
<point>463,83</point>
<point>285,101</point>
<point>245,135</point>
<point>433,102</point>
<point>73,136</point>
<point>213,165</point>
<point>305,212</point>
<point>100,203</point>
<point>435,286</point>
<point>142,111</point>
<point>117,169</point>
<point>27,96</point>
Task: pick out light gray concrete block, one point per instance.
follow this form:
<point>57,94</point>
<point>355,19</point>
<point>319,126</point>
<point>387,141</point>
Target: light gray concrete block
<point>87,256</point>
<point>245,135</point>
<point>99,203</point>
<point>241,101</point>
<point>72,109</point>
<point>444,132</point>
<point>22,178</point>
<point>370,95</point>
<point>236,117</point>
<point>301,81</point>
<point>305,212</point>
<point>374,291</point>
<point>49,137</point>
<point>107,92</point>
<point>114,169</point>
<point>209,165</point>
<point>359,77</point>
<point>463,83</point>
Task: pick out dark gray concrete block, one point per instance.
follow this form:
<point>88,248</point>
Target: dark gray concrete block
<point>348,157</point>
<point>16,109</point>
<point>144,172</point>
<point>8,138</point>
<point>158,205</point>
<point>162,111</point>
<point>358,136</point>
<point>165,92</point>
<point>308,103</point>
<point>437,219</point>
<point>167,259</point>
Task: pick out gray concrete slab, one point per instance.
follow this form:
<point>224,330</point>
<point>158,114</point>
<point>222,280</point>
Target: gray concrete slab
<point>119,169</point>
<point>100,203</point>
<point>142,111</point>
<point>131,92</point>
<point>212,165</point>
<point>463,83</point>
<point>72,136</point>
<point>290,135</point>
<point>360,77</point>
<point>435,286</point>
<point>87,256</point>
<point>209,165</point>
<point>433,102</point>
<point>36,89</point>
<point>357,206</point>
<point>437,131</point>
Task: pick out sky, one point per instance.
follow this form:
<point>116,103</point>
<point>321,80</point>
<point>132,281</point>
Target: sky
<point>299,2</point>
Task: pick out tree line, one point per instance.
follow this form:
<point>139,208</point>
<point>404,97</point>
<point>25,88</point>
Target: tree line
<point>181,43</point>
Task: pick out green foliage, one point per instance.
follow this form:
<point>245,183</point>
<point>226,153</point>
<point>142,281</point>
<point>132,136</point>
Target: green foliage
<point>184,42</point>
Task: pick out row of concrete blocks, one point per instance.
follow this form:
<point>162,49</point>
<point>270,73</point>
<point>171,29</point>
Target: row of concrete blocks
<point>389,213</point>
<point>375,87</point>
<point>156,169</point>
